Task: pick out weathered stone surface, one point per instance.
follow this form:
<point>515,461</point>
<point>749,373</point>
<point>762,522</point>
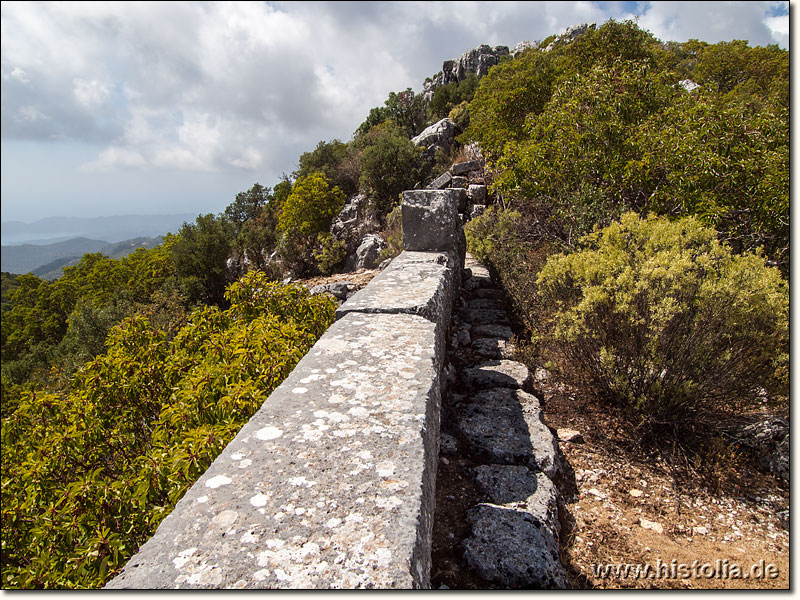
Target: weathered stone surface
<point>441,182</point>
<point>478,315</point>
<point>522,47</point>
<point>569,34</point>
<point>459,182</point>
<point>769,438</point>
<point>492,347</point>
<point>518,487</point>
<point>497,373</point>
<point>366,255</point>
<point>565,434</point>
<point>510,547</point>
<point>329,485</point>
<point>477,60</point>
<point>465,167</point>
<point>420,285</point>
<point>507,426</point>
<point>476,194</point>
<point>483,304</point>
<point>477,210</point>
<point>430,220</point>
<point>439,135</point>
<point>448,445</point>
<point>491,293</point>
<point>492,330</point>
<point>338,289</point>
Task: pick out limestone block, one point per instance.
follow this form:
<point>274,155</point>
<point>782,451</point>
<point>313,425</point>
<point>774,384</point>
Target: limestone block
<point>430,220</point>
<point>511,548</point>
<point>441,182</point>
<point>497,373</point>
<point>331,484</point>
<point>476,194</point>
<point>465,167</point>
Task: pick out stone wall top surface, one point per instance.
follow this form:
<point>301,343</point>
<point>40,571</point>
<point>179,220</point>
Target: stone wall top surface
<point>323,488</point>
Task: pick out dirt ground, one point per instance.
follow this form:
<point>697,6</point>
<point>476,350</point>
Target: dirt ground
<point>626,509</point>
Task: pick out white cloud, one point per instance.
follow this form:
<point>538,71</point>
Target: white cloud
<point>210,86</point>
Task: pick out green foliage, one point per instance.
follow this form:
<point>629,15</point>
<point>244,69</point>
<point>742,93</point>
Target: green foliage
<point>661,317</point>
<point>447,96</point>
<point>339,162</point>
<point>405,109</point>
<point>390,163</point>
<point>9,284</point>
<point>200,252</point>
<point>578,135</point>
<point>306,213</point>
<point>329,253</point>
<point>88,476</point>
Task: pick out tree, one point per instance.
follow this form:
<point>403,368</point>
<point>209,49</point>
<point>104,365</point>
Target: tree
<point>390,163</point>
<point>336,160</point>
<point>307,212</point>
<point>200,253</point>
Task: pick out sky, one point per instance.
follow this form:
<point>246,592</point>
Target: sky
<point>170,107</point>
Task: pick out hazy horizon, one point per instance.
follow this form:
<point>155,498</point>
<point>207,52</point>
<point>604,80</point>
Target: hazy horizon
<point>164,108</point>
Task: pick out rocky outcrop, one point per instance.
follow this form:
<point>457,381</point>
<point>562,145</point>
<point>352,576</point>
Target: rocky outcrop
<point>477,61</point>
<point>440,135</point>
<point>366,255</point>
<point>569,35</point>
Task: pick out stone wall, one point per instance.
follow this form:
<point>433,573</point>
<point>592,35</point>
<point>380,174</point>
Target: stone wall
<point>331,484</point>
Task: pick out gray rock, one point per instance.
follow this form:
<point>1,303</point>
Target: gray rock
<point>483,304</point>
<point>448,445</point>
<point>518,487</point>
<point>477,210</point>
<point>497,373</point>
<point>569,34</point>
<point>338,289</point>
<point>476,194</point>
<point>476,316</point>
<point>493,294</point>
<point>477,61</point>
<point>464,338</point>
<point>459,182</point>
<point>511,548</point>
<point>506,426</point>
<point>688,85</point>
<point>366,255</point>
<point>430,220</point>
<point>522,47</point>
<point>488,347</point>
<point>493,331</point>
<point>441,182</point>
<point>440,135</point>
<point>465,167</point>
<point>769,438</point>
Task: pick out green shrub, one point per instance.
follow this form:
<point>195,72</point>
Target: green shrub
<point>89,475</point>
<point>661,317</point>
<point>393,234</point>
<point>329,253</point>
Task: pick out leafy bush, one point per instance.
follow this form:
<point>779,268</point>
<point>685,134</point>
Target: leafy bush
<point>664,319</point>
<point>329,253</point>
<point>89,475</point>
<point>390,163</point>
<point>306,213</point>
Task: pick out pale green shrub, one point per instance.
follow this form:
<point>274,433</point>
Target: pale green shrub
<point>661,317</point>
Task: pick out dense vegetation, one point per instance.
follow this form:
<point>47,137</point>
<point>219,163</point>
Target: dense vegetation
<point>680,320</point>
<point>641,229</point>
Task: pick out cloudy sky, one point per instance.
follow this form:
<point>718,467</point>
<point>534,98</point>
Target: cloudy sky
<point>165,107</point>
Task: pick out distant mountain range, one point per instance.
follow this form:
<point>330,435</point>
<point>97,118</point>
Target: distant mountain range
<point>108,229</point>
<point>48,260</point>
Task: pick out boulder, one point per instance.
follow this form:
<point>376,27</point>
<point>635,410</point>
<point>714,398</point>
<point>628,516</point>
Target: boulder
<point>476,194</point>
<point>366,255</point>
<point>522,47</point>
<point>569,34</point>
<point>337,289</point>
<point>463,168</point>
<point>512,548</point>
<point>431,222</point>
<point>441,134</point>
